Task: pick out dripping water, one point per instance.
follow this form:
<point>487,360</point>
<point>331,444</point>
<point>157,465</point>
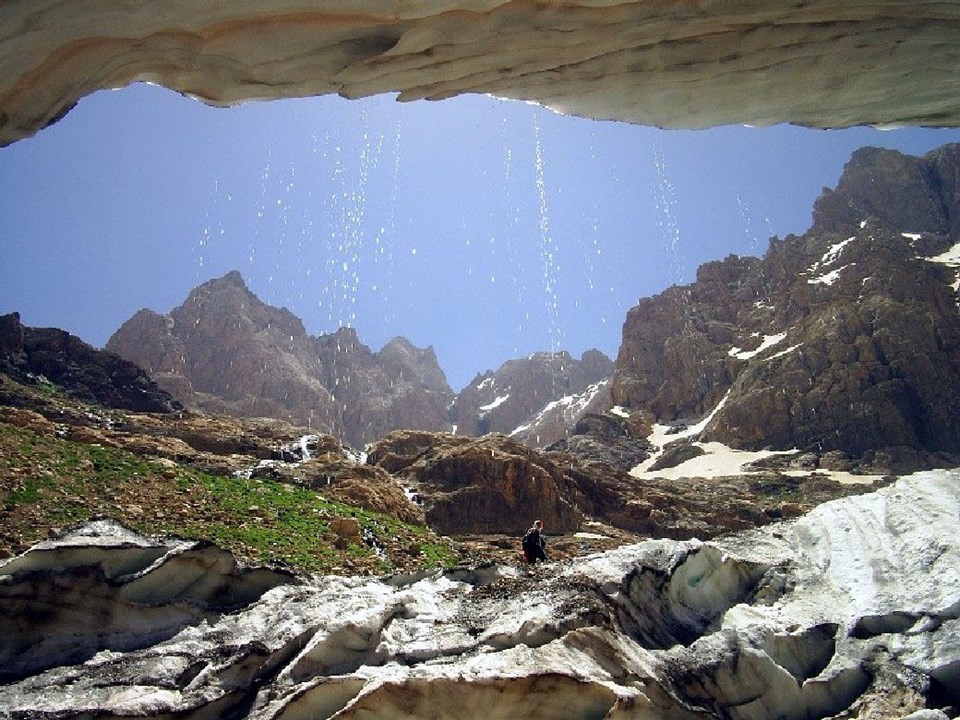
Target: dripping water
<point>212,231</point>
<point>513,221</point>
<point>386,235</point>
<point>548,249</point>
<point>261,210</point>
<point>665,200</point>
<point>749,226</point>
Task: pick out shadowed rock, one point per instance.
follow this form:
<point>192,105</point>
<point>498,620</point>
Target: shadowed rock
<point>32,355</point>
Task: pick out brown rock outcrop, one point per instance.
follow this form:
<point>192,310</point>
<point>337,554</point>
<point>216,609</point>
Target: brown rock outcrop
<point>693,64</point>
<point>337,478</point>
<point>28,419</point>
<point>487,485</point>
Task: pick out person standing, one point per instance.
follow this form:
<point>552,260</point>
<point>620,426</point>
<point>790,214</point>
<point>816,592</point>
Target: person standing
<point>534,545</point>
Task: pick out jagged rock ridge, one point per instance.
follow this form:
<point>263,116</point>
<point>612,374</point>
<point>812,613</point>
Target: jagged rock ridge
<point>34,355</point>
<point>692,64</point>
<point>225,351</point>
<point>846,338</point>
<point>849,611</point>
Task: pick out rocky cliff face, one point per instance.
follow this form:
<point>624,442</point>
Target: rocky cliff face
<point>479,485</point>
<point>691,64</point>
<point>35,355</point>
<point>846,338</point>
<point>537,399</point>
<point>225,351</point>
<point>849,611</point>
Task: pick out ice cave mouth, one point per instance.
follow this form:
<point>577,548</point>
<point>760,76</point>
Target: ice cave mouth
<point>690,65</point>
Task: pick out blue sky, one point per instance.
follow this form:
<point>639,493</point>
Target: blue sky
<point>484,228</point>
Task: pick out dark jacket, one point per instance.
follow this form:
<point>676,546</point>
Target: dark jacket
<point>534,545</point>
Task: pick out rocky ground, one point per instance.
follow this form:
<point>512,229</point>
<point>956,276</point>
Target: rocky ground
<point>273,494</point>
<point>185,474</point>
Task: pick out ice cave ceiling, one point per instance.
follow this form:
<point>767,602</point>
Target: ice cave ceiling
<point>666,63</point>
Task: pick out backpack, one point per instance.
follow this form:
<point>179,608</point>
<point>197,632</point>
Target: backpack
<point>529,541</point>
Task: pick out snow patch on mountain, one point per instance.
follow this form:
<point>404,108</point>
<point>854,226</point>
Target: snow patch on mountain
<point>831,255</point>
<point>787,351</point>
<point>768,342</point>
<point>717,459</point>
<point>500,400</point>
<point>570,406</point>
<point>829,278</point>
<point>950,257</point>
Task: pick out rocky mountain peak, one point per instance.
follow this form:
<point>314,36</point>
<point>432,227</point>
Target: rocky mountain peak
<point>846,338</point>
<point>345,338</point>
<point>224,350</point>
<point>210,307</point>
<point>403,359</point>
<point>913,194</point>
<point>234,278</point>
